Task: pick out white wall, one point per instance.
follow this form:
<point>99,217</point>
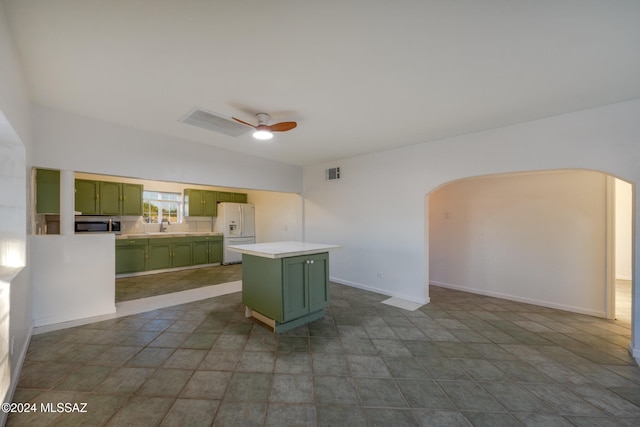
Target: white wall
<point>377,211</point>
<point>533,237</point>
<point>623,230</point>
<point>278,216</point>
<point>81,144</point>
<point>15,149</point>
<point>74,277</point>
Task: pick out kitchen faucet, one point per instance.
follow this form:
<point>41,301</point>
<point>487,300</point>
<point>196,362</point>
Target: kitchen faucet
<point>162,227</point>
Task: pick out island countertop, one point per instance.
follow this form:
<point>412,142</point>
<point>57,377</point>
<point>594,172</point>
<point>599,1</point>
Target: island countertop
<point>282,249</point>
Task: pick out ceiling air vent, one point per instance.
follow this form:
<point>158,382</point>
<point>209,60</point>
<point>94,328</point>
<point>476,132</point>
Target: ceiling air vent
<point>215,122</point>
<point>332,174</point>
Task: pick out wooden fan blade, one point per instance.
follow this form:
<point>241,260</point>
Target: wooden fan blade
<point>283,126</point>
<point>243,122</point>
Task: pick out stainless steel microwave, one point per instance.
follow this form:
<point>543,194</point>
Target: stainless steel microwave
<point>97,224</point>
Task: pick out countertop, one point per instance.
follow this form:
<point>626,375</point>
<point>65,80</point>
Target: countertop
<point>282,249</point>
<point>159,234</point>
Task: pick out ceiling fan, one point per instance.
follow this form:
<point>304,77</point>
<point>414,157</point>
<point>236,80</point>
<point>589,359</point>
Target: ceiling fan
<point>264,130</point>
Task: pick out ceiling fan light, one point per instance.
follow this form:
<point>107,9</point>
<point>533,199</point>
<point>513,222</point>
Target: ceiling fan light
<point>262,134</point>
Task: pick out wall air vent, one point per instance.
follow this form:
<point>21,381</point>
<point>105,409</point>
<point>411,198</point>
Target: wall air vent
<point>332,173</point>
<point>215,122</point>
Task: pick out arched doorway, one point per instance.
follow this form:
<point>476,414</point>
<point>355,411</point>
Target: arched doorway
<point>538,237</point>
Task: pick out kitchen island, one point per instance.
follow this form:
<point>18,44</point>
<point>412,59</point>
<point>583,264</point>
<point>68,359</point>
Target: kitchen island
<point>285,284</point>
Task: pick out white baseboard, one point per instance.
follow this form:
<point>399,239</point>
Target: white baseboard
<point>635,353</point>
<point>381,291</point>
<point>548,304</point>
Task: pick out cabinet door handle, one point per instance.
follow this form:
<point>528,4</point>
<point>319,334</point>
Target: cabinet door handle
<point>311,261</point>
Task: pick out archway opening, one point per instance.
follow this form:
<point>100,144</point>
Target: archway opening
<point>541,237</point>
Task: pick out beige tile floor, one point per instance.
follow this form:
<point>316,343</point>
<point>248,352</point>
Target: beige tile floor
<point>461,360</point>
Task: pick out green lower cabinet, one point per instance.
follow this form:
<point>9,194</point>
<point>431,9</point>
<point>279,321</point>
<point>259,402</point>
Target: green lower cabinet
<point>292,291</point>
<point>181,254</point>
<point>215,251</point>
<point>131,255</point>
<point>159,255</point>
<point>207,250</point>
<point>169,252</point>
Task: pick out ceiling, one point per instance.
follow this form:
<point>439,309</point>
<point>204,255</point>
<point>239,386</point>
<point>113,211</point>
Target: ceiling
<point>358,76</point>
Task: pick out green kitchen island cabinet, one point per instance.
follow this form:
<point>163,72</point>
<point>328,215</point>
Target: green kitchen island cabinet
<point>285,284</point>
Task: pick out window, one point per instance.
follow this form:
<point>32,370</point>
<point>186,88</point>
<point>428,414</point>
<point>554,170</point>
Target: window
<point>159,206</point>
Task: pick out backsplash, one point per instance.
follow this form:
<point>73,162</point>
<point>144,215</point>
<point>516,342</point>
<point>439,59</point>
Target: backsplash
<point>135,225</point>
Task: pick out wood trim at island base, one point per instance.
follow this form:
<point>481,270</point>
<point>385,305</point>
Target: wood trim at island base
<point>278,327</point>
<point>261,317</point>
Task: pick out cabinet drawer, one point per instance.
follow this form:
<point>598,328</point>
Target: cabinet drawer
<point>168,240</point>
<point>131,242</point>
<point>206,238</point>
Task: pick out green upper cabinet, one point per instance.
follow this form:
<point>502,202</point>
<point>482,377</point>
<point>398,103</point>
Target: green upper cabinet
<point>200,202</point>
<point>193,202</point>
<point>47,191</point>
<point>108,198</point>
<point>210,205</point>
<point>131,199</point>
<point>240,197</point>
<point>87,195</point>
<point>224,196</point>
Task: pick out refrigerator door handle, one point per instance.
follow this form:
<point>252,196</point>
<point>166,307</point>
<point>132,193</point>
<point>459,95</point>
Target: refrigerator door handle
<point>241,219</point>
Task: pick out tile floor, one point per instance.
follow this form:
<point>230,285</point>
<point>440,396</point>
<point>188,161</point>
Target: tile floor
<point>461,360</point>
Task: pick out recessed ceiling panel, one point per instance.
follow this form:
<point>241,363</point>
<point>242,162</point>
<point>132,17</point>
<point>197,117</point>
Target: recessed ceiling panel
<point>215,122</point>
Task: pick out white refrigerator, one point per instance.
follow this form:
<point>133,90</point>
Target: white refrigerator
<point>236,222</point>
